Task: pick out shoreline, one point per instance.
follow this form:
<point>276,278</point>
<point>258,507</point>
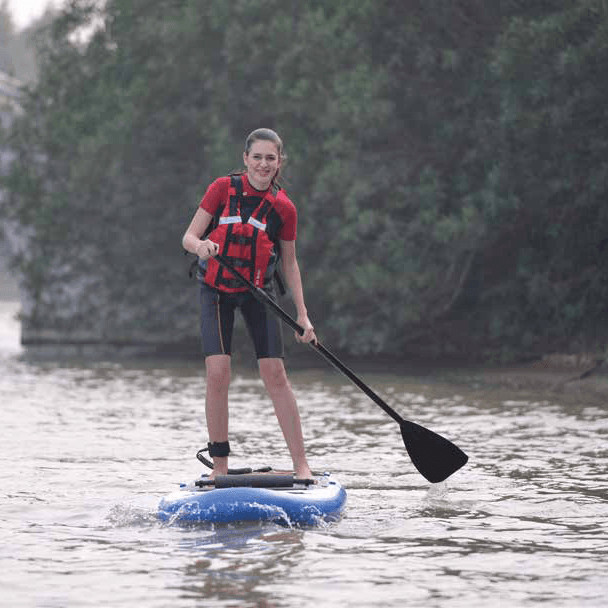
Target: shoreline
<point>556,374</point>
<point>553,379</point>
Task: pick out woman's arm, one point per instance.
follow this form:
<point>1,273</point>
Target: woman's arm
<point>192,237</point>
<point>291,272</point>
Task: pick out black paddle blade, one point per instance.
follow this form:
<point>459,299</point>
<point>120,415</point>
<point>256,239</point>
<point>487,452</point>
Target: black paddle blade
<point>433,455</point>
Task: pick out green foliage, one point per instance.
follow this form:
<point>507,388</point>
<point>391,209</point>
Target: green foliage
<point>448,161</point>
<point>552,164</point>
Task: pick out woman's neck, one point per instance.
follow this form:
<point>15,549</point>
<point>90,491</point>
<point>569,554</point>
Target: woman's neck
<point>257,186</point>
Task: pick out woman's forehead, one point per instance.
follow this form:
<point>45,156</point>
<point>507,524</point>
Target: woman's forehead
<point>262,146</point>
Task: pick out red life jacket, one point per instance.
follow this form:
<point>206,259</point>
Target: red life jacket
<point>248,246</point>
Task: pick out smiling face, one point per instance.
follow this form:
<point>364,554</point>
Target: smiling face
<point>262,161</point>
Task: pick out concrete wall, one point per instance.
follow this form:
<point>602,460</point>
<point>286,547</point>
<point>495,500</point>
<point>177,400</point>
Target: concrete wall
<point>9,107</point>
<point>8,284</point>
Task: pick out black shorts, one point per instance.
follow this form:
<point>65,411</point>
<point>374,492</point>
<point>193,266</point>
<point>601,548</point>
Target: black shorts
<point>217,323</point>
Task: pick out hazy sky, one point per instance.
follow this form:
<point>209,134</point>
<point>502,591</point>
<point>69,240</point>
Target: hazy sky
<point>25,11</point>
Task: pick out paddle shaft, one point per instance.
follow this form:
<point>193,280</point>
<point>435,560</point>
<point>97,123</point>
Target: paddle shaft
<point>435,457</point>
<point>263,297</point>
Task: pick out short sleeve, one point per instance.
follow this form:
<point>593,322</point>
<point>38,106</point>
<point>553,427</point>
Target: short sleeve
<point>289,216</point>
<point>215,195</point>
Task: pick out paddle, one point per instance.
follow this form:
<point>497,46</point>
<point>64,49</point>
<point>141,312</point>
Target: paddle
<point>434,456</point>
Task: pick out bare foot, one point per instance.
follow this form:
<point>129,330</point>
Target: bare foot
<point>303,473</point>
<point>220,467</point>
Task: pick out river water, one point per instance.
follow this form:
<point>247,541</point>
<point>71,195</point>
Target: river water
<point>88,448</point>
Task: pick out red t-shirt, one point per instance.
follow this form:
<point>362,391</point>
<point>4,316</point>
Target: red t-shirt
<point>217,194</point>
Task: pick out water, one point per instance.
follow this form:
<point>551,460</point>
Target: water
<point>88,448</point>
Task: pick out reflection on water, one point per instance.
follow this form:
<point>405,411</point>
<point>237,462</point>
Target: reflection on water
<point>88,448</point>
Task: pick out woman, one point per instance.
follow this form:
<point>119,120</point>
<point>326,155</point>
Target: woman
<point>251,224</point>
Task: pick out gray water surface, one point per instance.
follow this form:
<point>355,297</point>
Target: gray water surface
<point>88,448</point>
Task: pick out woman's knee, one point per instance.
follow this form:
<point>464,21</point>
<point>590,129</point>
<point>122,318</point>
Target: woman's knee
<point>273,374</point>
<point>218,371</point>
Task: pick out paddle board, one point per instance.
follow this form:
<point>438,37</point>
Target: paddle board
<point>255,498</point>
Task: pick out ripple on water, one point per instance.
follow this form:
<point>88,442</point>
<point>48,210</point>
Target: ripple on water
<point>87,451</point>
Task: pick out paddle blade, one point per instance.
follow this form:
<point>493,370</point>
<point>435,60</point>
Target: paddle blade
<point>434,456</point>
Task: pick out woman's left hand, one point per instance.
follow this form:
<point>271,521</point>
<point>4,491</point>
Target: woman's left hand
<point>309,331</point>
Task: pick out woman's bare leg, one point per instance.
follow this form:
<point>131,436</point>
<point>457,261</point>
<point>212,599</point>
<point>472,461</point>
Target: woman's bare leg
<point>275,379</point>
<point>216,405</point>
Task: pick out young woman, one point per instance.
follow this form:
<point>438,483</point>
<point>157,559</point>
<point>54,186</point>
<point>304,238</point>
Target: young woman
<point>253,224</point>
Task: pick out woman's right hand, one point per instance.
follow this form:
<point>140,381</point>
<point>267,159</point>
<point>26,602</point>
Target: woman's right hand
<point>206,249</point>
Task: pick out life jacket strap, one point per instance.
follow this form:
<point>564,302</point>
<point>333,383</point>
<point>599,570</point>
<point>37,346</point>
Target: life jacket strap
<point>257,224</point>
<point>230,219</point>
<point>236,219</point>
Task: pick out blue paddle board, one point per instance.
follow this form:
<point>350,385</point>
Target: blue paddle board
<point>239,498</point>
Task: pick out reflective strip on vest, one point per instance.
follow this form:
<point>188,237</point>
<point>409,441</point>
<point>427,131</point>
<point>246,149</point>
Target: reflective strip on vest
<point>257,224</point>
<point>230,219</point>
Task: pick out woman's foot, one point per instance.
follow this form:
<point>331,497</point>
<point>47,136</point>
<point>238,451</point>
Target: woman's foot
<point>303,472</point>
<point>220,467</point>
